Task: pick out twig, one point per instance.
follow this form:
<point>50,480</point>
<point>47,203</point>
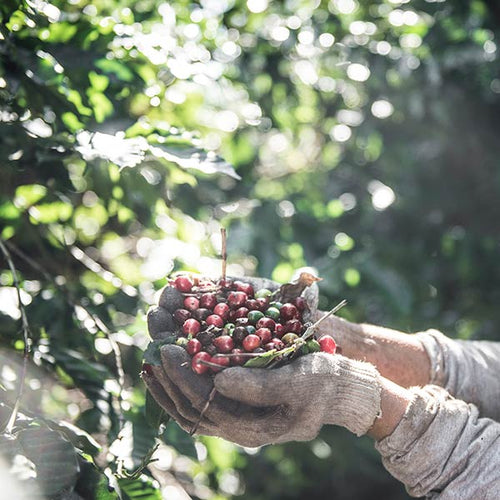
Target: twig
<point>26,337</point>
<point>310,331</point>
<point>224,252</point>
<point>203,411</point>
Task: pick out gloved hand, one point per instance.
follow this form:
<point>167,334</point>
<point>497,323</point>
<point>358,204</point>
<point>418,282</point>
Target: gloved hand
<point>255,406</point>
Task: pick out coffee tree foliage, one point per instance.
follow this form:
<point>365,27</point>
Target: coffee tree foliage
<point>356,136</point>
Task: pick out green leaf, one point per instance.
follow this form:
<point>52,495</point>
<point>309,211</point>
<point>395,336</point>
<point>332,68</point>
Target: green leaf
<point>154,413</point>
<point>152,354</point>
<point>138,489</point>
<point>174,436</point>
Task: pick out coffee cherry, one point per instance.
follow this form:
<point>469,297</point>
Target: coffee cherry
<point>274,344</point>
<point>273,313</point>
<point>241,312</point>
<point>222,310</point>
<point>211,349</point>
<point>201,314</point>
<point>288,311</point>
<point>193,347</point>
<point>263,293</point>
<point>313,345</point>
<point>224,343</point>
<point>225,284</point>
<point>289,338</point>
<point>206,338</point>
<point>182,342</point>
<point>239,333</point>
<point>300,303</point>
<point>183,284</point>
<point>251,342</point>
<point>279,330</point>
<point>276,305</point>
<point>196,366</point>
<point>191,303</point>
<point>191,327</point>
<point>244,287</point>
<point>266,323</point>
<point>327,344</point>
<point>264,334</point>
<point>250,329</point>
<point>278,344</point>
<point>263,303</point>
<point>237,360</point>
<point>252,304</point>
<point>293,325</point>
<point>208,300</point>
<point>215,320</point>
<point>229,328</point>
<point>181,315</point>
<point>236,299</point>
<point>254,316</point>
<point>219,359</point>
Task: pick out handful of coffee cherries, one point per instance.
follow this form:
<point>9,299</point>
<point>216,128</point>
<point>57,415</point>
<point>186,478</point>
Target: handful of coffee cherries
<point>230,322</point>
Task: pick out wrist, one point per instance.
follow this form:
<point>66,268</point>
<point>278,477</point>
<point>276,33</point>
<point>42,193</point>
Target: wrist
<point>394,401</point>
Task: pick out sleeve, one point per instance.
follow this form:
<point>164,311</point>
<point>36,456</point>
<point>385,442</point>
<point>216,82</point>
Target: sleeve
<point>468,370</point>
<point>442,450</point>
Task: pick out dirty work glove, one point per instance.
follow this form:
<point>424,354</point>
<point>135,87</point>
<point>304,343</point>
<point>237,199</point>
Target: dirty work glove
<point>313,390</point>
<point>183,394</point>
<point>256,406</point>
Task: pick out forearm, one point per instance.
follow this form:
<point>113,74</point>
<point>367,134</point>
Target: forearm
<point>398,356</point>
<point>442,449</point>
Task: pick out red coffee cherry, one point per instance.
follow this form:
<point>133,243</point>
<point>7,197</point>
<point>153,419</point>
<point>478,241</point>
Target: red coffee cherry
<point>191,303</point>
<point>193,347</point>
<point>208,300</point>
<point>183,284</point>
<point>196,366</point>
<point>191,327</point>
<point>222,310</point>
<point>251,342</point>
<point>215,320</point>
<point>327,344</point>
<point>224,343</point>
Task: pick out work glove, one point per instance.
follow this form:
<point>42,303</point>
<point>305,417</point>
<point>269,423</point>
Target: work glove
<point>256,406</point>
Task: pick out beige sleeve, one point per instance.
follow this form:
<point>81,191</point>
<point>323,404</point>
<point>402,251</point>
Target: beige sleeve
<point>443,450</point>
<point>468,370</point>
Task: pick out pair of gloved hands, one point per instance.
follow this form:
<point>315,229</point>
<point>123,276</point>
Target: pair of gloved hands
<point>257,406</point>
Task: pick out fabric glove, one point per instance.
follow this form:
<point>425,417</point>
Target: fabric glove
<point>256,406</point>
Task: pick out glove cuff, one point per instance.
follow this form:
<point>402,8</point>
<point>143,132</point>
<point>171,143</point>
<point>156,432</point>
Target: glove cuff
<point>356,402</point>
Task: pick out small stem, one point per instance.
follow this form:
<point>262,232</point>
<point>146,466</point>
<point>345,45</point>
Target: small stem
<point>26,337</point>
<point>203,411</point>
<point>224,252</point>
<point>310,331</point>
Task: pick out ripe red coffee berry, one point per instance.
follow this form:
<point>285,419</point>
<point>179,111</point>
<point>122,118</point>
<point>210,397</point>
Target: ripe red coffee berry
<point>222,310</point>
<point>181,315</point>
<point>300,303</point>
<point>263,303</point>
<point>241,286</point>
<point>201,314</point>
<point>183,284</point>
<point>288,311</point>
<point>215,320</point>
<point>294,326</point>
<point>219,359</point>
<point>279,330</point>
<point>208,300</point>
<point>266,323</point>
<point>224,343</point>
<point>236,299</point>
<point>251,342</point>
<point>191,327</point>
<point>237,360</point>
<point>198,367</point>
<point>278,344</point>
<point>252,304</point>
<point>327,344</point>
<point>241,312</point>
<point>193,347</point>
<point>264,334</point>
<point>191,303</point>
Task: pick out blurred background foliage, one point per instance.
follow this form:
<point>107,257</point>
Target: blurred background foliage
<point>356,136</point>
